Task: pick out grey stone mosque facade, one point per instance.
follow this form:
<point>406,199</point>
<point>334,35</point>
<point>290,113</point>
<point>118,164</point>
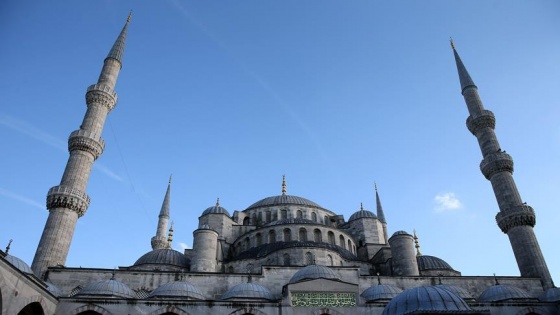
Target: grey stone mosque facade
<point>281,255</point>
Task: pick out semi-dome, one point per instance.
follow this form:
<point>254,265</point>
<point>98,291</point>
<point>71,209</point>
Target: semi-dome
<point>380,292</point>
<point>248,291</point>
<point>503,292</point>
<point>215,210</point>
<point>291,221</point>
<point>361,214</point>
<point>312,272</point>
<point>177,289</point>
<point>427,298</point>
<point>427,262</point>
<point>107,288</point>
<point>283,200</point>
<point>18,263</point>
<point>165,256</point>
<point>550,295</point>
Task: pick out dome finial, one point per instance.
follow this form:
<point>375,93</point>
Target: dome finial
<point>361,206</point>
<point>170,235</point>
<point>496,279</point>
<point>8,247</point>
<point>283,185</point>
<point>417,245</point>
<point>378,279</point>
<point>439,279</point>
<point>218,202</point>
<point>113,273</point>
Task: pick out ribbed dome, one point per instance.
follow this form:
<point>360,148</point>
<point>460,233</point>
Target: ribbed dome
<point>462,293</point>
<point>108,288</point>
<point>248,291</point>
<point>18,263</point>
<point>362,214</point>
<point>283,200</point>
<point>502,292</point>
<point>291,221</point>
<point>426,262</point>
<point>179,289</point>
<point>400,233</point>
<point>314,272</point>
<point>215,210</point>
<point>380,292</point>
<point>163,257</point>
<point>428,298</point>
<point>550,295</point>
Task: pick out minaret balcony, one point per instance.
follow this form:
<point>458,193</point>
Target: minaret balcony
<point>101,94</point>
<point>485,119</point>
<point>69,198</point>
<point>496,163</point>
<point>85,140</point>
<point>517,216</point>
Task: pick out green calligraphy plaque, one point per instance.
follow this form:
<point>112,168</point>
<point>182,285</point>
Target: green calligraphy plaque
<point>323,299</point>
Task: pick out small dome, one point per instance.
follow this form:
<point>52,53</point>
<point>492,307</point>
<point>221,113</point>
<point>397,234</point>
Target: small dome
<point>19,264</point>
<point>53,289</point>
<point>550,295</point>
<point>163,257</point>
<point>291,221</point>
<point>248,291</point>
<point>380,292</point>
<point>462,293</point>
<point>312,272</point>
<point>361,214</point>
<point>426,262</point>
<point>428,298</point>
<point>215,210</point>
<point>283,200</point>
<point>179,289</point>
<point>110,288</point>
<point>502,292</point>
<point>400,233</point>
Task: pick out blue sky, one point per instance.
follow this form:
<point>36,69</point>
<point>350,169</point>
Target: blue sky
<point>228,96</point>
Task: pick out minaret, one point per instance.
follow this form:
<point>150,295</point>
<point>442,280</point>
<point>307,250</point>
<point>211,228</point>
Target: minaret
<point>381,214</point>
<point>160,241</point>
<point>68,201</point>
<point>515,218</point>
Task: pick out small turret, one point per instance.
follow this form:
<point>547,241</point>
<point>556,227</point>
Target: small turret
<point>402,250</point>
<point>205,247</point>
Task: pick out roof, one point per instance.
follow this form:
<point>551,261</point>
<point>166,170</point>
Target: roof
<point>427,262</point>
<point>18,263</point>
<point>248,291</point>
<point>502,292</point>
<point>110,288</point>
<point>180,289</point>
<point>312,272</point>
<point>283,200</point>
<point>426,298</point>
<point>380,292</point>
<point>360,214</point>
<point>165,256</point>
<point>215,210</point>
<point>550,295</point>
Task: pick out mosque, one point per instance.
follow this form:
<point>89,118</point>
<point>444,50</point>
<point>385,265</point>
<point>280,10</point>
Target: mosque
<point>283,254</point>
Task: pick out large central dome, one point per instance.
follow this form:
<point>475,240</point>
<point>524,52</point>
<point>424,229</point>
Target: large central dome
<point>283,200</point>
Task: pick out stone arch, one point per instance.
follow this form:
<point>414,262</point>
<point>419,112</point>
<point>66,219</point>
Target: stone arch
<point>287,235</point>
<point>342,241</point>
<point>271,236</point>
<point>247,310</point>
<point>317,237</point>
<point>35,300</point>
<point>254,218</point>
<point>90,308</point>
<point>169,309</point>
<point>33,308</point>
<point>314,216</point>
<point>349,245</point>
<point>331,238</point>
<point>246,221</point>
<point>283,214</point>
<point>302,235</point>
<point>299,214</point>
<point>330,260</point>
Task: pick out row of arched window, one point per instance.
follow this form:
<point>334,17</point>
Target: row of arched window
<point>257,217</point>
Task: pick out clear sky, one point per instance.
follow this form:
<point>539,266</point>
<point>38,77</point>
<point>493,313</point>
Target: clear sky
<point>230,95</point>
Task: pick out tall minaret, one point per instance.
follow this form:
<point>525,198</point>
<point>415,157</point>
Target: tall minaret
<point>69,201</point>
<point>160,241</point>
<point>381,214</point>
<point>515,217</point>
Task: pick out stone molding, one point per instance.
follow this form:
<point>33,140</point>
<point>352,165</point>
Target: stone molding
<point>101,94</point>
<point>485,120</point>
<point>517,216</point>
<point>495,163</point>
<point>85,140</point>
<point>68,198</point>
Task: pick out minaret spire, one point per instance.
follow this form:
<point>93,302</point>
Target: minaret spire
<point>381,214</point>
<point>68,201</point>
<point>515,218</point>
<point>283,185</point>
<point>160,240</point>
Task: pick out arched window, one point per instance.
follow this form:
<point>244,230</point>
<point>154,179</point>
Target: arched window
<point>287,260</point>
<point>303,235</point>
<point>271,236</point>
<point>247,243</point>
<point>287,235</point>
<point>317,236</point>
<point>326,222</point>
<point>342,242</point>
<point>259,218</point>
<point>34,308</point>
<point>331,238</point>
<point>299,214</point>
<point>349,245</point>
<point>308,258</point>
<point>283,214</point>
<point>314,216</point>
<point>268,216</point>
<point>259,239</point>
<point>246,221</point>
<point>330,260</point>
<point>254,219</point>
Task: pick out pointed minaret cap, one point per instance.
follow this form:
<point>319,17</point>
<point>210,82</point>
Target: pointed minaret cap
<point>164,212</point>
<point>117,50</point>
<point>464,76</point>
<point>380,213</point>
<point>283,185</point>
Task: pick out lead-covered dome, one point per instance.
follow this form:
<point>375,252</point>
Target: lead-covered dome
<point>177,289</point>
<point>427,262</point>
<point>18,263</point>
<point>107,288</point>
<point>215,210</point>
<point>283,200</point>
<point>312,272</point>
<point>248,291</point>
<point>503,292</point>
<point>361,214</point>
<point>380,292</point>
<point>165,256</point>
<point>550,295</point>
<point>427,298</point>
